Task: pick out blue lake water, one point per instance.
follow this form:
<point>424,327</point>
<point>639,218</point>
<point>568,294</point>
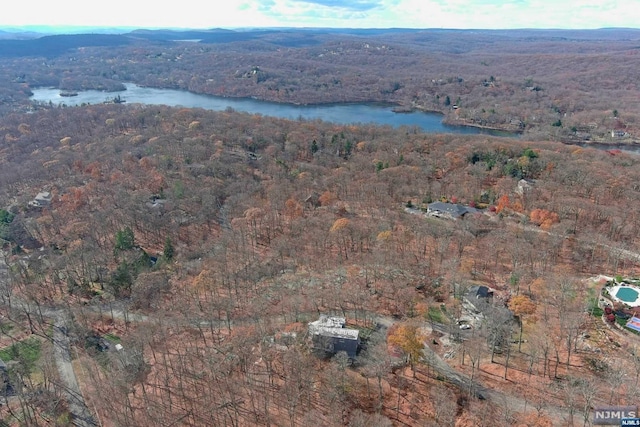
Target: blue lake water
<point>337,113</point>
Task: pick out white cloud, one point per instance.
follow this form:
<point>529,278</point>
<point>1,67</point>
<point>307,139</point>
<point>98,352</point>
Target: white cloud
<point>329,13</point>
<point>184,13</point>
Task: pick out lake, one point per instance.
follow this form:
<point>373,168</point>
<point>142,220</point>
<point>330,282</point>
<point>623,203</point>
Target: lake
<point>337,113</point>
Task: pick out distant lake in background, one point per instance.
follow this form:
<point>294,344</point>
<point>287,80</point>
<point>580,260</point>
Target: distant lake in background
<point>336,113</point>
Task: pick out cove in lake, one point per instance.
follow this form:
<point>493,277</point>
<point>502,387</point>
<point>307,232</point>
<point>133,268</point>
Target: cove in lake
<point>337,113</point>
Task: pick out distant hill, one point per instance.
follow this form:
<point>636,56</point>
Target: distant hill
<point>50,30</point>
<point>13,34</point>
<point>49,42</point>
<point>50,46</point>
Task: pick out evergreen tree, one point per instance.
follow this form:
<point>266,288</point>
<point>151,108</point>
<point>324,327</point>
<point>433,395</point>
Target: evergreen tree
<point>125,239</point>
<point>121,280</point>
<point>168,250</point>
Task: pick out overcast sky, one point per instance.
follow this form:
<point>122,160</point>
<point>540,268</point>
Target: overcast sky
<point>325,13</point>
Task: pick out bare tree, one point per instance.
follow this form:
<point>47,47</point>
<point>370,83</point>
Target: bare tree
<point>444,405</point>
<point>362,419</point>
<point>499,327</point>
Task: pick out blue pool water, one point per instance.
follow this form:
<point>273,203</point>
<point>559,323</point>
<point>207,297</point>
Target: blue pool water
<point>627,294</point>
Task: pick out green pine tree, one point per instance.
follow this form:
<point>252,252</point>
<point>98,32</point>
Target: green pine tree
<point>168,250</point>
<point>125,239</point>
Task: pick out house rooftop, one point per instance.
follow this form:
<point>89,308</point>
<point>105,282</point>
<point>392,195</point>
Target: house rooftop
<point>42,199</point>
<point>453,209</point>
<point>480,292</point>
<point>332,327</point>
<point>43,195</point>
<point>478,298</point>
<point>329,322</point>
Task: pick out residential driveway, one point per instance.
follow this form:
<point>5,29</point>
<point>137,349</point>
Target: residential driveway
<point>81,416</point>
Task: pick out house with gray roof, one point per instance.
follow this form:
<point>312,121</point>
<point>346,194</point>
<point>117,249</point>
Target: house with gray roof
<point>449,210</point>
<point>478,298</point>
<point>41,200</point>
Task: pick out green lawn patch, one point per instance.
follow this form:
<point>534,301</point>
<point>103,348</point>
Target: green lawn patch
<point>622,322</point>
<point>596,311</point>
<point>112,338</point>
<point>436,314</point>
<point>6,327</point>
<point>27,352</point>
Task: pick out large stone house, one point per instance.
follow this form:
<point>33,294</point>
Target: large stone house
<point>329,335</point>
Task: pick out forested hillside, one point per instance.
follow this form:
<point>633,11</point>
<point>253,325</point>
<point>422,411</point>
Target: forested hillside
<point>200,241</point>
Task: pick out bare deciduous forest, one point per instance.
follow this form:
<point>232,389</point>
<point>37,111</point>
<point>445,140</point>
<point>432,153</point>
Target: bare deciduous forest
<point>161,265</point>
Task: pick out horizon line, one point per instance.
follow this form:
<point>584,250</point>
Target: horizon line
<point>37,28</point>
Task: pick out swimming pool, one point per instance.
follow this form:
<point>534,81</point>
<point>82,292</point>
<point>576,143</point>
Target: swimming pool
<point>629,295</point>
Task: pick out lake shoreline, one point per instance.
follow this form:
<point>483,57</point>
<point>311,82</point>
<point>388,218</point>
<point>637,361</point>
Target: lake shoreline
<point>448,126</point>
<point>433,121</point>
<point>358,113</point>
